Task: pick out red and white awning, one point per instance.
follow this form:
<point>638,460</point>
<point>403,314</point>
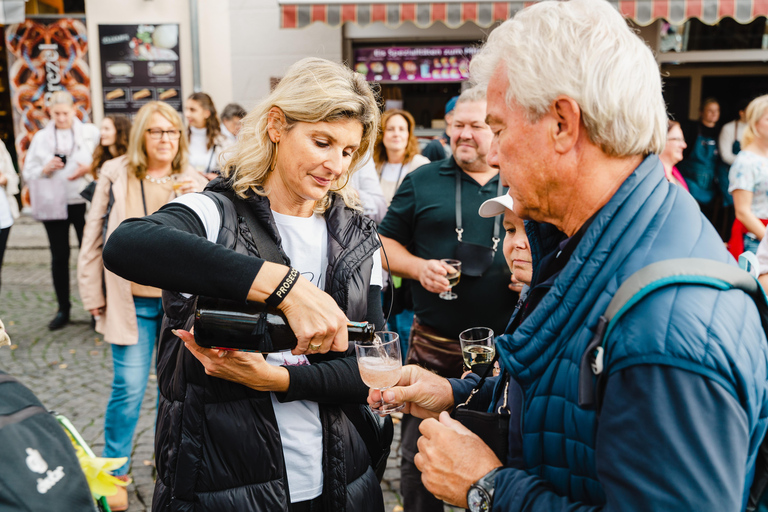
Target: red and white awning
<point>454,13</point>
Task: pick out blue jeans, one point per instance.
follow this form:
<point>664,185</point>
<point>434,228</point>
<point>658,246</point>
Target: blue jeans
<point>131,373</point>
<point>751,244</point>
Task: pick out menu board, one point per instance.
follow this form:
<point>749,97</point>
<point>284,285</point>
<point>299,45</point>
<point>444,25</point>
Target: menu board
<point>44,56</point>
<point>139,63</point>
<point>414,64</point>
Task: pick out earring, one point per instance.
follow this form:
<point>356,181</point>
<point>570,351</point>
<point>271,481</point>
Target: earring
<point>341,187</point>
<point>273,163</point>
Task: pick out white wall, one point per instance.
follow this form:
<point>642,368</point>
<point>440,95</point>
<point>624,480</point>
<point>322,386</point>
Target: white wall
<point>216,74</point>
<point>260,49</point>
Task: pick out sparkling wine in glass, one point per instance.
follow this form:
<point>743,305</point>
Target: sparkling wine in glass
<point>177,181</point>
<point>477,346</point>
<point>379,362</point>
<point>453,277</point>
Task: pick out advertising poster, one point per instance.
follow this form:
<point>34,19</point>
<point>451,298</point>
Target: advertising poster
<point>414,64</point>
<point>45,55</point>
<point>139,63</point>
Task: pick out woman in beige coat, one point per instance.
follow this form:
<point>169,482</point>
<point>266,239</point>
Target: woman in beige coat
<point>152,173</point>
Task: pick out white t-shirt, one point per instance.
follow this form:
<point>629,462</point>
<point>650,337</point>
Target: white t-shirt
<point>6,217</point>
<point>750,172</point>
<point>301,433</point>
<point>199,155</point>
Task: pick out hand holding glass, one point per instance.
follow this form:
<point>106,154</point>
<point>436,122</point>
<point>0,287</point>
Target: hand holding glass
<point>453,277</point>
<point>380,363</point>
<point>477,346</point>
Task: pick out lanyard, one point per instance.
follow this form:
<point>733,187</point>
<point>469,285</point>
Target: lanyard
<point>56,135</point>
<point>143,199</point>
<point>459,212</point>
<point>399,173</point>
<point>208,167</point>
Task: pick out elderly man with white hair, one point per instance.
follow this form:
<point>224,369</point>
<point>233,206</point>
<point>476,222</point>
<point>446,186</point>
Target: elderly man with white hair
<point>575,105</point>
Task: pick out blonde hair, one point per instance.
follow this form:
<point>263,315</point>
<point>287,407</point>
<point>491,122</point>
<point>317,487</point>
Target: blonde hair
<point>61,98</point>
<point>137,147</point>
<point>411,149</point>
<point>599,62</point>
<point>755,110</point>
<point>313,90</point>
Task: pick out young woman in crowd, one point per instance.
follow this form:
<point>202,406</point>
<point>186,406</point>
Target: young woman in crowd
<point>396,152</point>
<point>9,208</point>
<point>115,129</point>
<point>673,153</point>
<point>246,431</point>
<point>129,314</point>
<point>749,181</point>
<point>205,138</point>
<point>62,152</point>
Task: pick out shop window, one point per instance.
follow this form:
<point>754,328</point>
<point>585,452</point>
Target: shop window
<point>728,34</point>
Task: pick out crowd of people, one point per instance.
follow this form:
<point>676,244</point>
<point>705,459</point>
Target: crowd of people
<point>551,192</point>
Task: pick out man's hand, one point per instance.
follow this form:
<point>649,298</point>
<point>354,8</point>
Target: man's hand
<point>451,458</point>
<point>424,393</point>
<point>247,368</point>
<point>315,318</point>
<point>81,171</point>
<point>432,276</point>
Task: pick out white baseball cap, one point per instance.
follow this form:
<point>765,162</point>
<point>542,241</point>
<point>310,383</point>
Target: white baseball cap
<point>496,206</point>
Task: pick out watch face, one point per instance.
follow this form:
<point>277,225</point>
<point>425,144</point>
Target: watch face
<point>478,500</point>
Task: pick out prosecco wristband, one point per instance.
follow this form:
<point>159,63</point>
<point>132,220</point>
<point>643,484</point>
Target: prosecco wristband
<point>283,288</point>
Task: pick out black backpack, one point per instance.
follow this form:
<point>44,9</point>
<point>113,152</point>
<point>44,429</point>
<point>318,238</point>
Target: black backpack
<point>38,466</point>
<point>645,281</point>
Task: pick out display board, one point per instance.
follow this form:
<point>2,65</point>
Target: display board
<point>139,63</point>
<point>414,64</point>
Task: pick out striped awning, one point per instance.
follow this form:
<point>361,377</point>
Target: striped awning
<point>300,13</point>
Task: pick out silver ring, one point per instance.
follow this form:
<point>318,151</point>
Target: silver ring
<point>315,347</point>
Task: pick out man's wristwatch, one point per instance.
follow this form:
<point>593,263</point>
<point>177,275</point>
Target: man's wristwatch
<point>480,495</point>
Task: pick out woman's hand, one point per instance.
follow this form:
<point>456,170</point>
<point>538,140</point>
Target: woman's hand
<point>53,165</point>
<point>3,180</point>
<point>81,171</point>
<point>96,312</point>
<point>315,318</point>
<point>246,368</point>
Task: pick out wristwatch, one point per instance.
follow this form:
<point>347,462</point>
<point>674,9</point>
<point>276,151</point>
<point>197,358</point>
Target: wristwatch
<point>480,495</point>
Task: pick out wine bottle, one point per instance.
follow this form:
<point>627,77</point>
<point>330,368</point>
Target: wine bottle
<point>253,327</point>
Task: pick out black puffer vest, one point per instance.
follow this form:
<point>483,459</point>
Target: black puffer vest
<point>217,444</point>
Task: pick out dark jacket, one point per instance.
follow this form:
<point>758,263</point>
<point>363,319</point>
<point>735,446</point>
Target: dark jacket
<point>217,443</point>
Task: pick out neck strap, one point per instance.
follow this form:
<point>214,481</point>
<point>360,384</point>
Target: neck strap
<point>459,212</point>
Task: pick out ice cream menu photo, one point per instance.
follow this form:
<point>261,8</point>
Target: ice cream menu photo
<point>139,63</point>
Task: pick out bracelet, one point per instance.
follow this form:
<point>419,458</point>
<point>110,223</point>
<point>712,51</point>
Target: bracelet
<point>283,288</point>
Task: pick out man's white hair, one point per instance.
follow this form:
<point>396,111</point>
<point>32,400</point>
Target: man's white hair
<point>472,94</point>
<point>582,49</point>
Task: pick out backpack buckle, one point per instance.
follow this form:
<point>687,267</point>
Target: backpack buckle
<point>597,361</point>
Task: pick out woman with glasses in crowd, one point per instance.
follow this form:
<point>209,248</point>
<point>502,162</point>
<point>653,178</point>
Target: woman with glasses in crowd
<point>153,172</point>
<point>673,153</point>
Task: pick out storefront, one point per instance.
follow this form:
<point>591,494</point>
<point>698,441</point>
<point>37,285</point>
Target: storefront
<point>704,47</point>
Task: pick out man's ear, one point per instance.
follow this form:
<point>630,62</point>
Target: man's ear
<point>567,128</point>
<point>275,124</point>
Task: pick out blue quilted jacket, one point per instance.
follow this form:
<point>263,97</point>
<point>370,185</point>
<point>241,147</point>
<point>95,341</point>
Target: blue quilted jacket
<point>715,334</point>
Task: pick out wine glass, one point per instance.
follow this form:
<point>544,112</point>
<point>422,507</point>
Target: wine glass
<point>477,346</point>
<point>379,362</point>
<point>453,277</point>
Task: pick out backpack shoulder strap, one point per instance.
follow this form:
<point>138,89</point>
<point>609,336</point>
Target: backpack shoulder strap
<point>695,271</point>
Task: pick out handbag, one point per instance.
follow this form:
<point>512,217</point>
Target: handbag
<point>491,427</point>
<point>48,197</point>
<point>434,352</point>
<point>88,191</point>
<point>475,258</point>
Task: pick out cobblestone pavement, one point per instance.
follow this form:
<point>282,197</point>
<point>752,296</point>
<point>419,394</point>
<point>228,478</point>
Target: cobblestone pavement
<point>70,370</point>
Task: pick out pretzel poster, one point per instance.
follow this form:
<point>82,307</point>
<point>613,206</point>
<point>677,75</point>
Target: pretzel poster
<point>46,55</point>
<point>139,63</point>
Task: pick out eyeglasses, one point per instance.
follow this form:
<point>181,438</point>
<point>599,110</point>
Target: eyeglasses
<point>157,134</point>
<point>675,139</point>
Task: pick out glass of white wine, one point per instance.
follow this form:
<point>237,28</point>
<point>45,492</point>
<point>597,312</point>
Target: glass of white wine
<point>453,277</point>
<point>380,363</point>
<point>477,346</point>
<point>177,181</point>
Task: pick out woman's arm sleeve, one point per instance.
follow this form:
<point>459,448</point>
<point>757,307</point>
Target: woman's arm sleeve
<point>169,250</point>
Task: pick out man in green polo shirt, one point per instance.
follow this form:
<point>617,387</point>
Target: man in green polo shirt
<point>421,228</point>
